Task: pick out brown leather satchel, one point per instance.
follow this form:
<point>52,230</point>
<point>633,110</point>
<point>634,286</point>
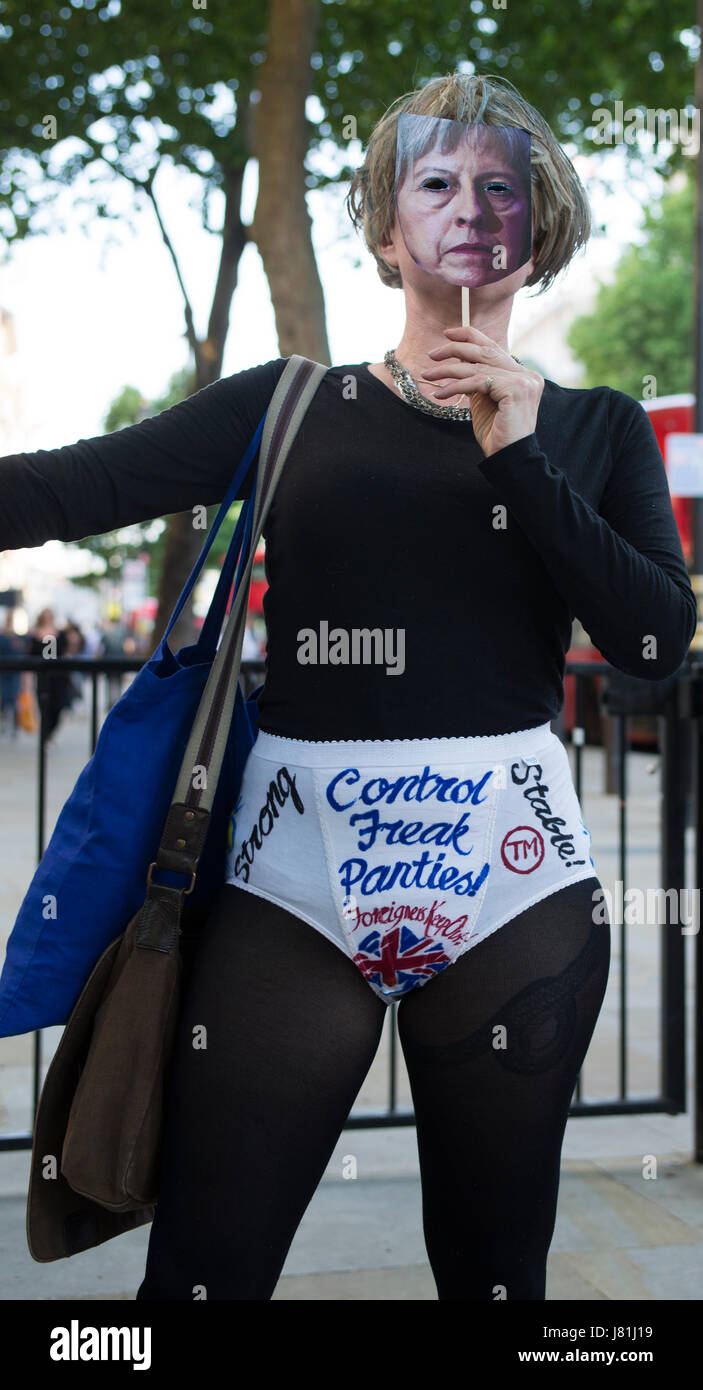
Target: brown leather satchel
<point>98,1132</point>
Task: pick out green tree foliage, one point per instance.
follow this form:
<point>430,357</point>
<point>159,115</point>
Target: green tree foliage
<point>566,58</point>
<point>98,95</point>
<point>641,323</point>
<point>135,82</point>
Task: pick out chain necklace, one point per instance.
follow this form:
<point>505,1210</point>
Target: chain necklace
<point>411,393</point>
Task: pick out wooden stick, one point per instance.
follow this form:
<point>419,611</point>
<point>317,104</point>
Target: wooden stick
<point>465,320</point>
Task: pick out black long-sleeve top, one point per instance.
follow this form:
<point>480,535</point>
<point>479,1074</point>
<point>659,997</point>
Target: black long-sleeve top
<point>388,518</point>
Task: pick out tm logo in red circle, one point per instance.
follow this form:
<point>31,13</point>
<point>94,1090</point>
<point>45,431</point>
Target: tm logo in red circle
<point>522,849</point>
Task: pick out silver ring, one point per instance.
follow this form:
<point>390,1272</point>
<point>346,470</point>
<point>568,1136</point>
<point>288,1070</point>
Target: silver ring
<point>489,382</point>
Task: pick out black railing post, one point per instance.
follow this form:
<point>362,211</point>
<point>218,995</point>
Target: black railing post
<point>621,743</point>
<point>393,1059</point>
<point>673,742</point>
<point>578,740</point>
<point>43,706</point>
<point>697,727</point>
<point>93,710</point>
<point>42,690</point>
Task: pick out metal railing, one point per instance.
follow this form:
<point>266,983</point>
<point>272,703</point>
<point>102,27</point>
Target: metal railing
<point>673,739</point>
<point>681,752</point>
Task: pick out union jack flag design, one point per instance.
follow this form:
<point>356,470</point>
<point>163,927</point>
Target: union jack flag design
<point>397,961</point>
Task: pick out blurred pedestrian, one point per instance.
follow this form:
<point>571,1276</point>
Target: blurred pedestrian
<point>115,641</point>
<point>53,687</point>
<point>92,636</point>
<point>75,645</point>
<point>11,644</point>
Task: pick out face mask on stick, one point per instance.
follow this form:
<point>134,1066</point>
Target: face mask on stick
<point>451,170</point>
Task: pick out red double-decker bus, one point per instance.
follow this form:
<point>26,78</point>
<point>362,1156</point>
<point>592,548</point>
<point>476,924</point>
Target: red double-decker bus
<point>669,415</point>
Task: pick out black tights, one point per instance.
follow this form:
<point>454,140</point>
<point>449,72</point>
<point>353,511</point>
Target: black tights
<point>493,1046</point>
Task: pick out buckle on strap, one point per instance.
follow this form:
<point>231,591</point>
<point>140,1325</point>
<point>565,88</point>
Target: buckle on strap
<point>182,892</point>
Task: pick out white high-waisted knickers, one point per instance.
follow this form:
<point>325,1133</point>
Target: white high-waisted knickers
<point>407,852</point>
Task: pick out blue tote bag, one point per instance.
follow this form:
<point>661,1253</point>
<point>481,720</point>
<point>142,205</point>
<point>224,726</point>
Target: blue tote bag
<point>91,878</point>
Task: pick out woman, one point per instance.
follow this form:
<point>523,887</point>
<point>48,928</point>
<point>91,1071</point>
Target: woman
<point>481,537</point>
<point>54,688</point>
<point>75,645</point>
<point>11,644</point>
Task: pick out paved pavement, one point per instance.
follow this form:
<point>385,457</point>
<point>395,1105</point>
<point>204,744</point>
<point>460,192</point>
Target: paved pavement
<point>619,1234</point>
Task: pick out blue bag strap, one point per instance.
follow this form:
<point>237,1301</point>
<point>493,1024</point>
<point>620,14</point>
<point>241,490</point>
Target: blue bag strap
<point>225,505</point>
<point>239,547</point>
<point>210,630</point>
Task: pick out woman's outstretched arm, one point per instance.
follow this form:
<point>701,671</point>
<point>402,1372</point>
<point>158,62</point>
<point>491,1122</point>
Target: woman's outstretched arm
<point>183,457</point>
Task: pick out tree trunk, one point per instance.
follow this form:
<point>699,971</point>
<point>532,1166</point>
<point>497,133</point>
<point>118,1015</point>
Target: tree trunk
<point>282,230</point>
<point>282,226</point>
<point>182,542</point>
